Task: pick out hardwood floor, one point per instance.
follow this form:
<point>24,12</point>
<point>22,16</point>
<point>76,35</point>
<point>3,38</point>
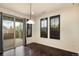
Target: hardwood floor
<point>35,49</point>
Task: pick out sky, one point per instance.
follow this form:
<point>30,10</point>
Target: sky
<point>9,24</point>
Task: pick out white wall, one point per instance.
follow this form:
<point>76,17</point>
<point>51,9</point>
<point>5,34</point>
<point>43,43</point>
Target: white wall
<point>69,29</point>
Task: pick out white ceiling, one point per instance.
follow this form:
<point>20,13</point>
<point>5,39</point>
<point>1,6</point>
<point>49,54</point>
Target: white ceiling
<point>37,8</point>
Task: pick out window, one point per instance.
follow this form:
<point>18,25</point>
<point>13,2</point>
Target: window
<point>29,30</point>
<point>44,27</point>
<point>55,27</point>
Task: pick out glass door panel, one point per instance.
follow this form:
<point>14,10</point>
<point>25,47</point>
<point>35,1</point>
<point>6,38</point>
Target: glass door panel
<point>8,32</point>
<point>18,33</point>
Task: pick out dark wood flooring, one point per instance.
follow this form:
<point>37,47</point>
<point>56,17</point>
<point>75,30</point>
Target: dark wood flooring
<point>35,49</point>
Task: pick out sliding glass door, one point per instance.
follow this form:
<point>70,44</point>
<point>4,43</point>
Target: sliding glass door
<point>12,32</point>
<point>8,32</point>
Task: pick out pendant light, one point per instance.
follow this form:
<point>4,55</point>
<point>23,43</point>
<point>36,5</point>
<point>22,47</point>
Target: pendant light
<point>30,21</point>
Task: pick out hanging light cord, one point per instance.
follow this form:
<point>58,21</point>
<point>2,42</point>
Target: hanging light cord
<point>30,11</point>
